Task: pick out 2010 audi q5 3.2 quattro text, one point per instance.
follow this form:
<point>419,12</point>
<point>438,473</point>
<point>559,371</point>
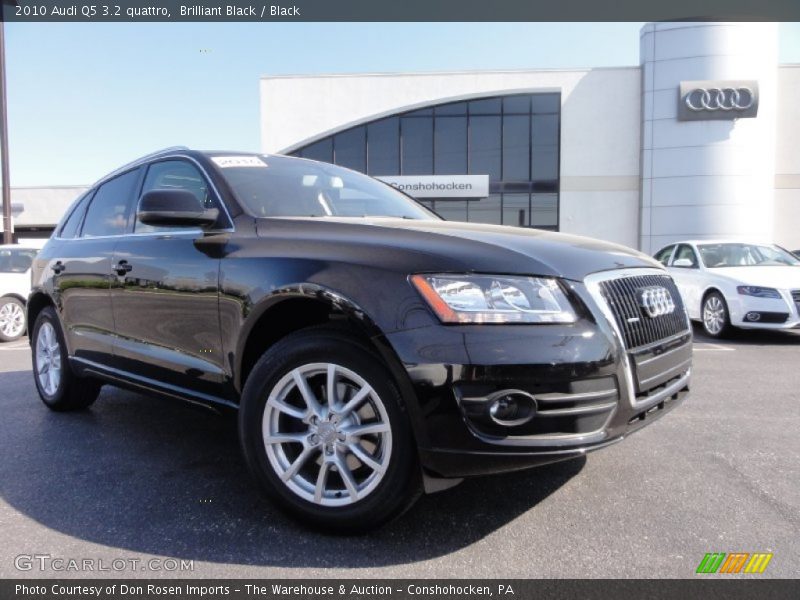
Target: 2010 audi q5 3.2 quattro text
<point>372,349</point>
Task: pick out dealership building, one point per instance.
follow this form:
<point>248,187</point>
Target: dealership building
<point>698,141</point>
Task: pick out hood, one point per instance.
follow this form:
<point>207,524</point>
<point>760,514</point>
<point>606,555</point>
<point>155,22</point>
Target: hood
<point>464,247</point>
<point>775,277</point>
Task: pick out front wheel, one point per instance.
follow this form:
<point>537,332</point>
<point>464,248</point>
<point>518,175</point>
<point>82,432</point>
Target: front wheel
<point>12,319</point>
<point>59,388</point>
<point>323,432</point>
<point>716,319</point>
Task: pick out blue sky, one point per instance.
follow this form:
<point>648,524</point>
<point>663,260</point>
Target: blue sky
<point>85,98</point>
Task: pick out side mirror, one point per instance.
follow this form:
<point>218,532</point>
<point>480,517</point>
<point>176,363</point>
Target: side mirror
<point>175,208</point>
<point>684,263</point>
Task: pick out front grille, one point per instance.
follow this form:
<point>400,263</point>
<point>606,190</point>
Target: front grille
<point>796,296</point>
<point>639,329</point>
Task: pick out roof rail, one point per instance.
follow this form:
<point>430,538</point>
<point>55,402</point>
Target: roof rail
<point>140,159</point>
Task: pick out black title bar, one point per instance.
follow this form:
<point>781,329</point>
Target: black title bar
<point>398,10</point>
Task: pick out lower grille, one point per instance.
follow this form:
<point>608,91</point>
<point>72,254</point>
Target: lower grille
<point>637,327</point>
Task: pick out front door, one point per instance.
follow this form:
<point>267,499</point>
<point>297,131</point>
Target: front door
<point>165,296</point>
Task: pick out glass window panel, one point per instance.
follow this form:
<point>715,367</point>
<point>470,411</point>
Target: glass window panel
<point>516,105</point>
<point>450,145</point>
<point>422,112</point>
<point>544,163</point>
<point>321,150</point>
<point>486,210</point>
<point>417,140</point>
<point>488,106</point>
<point>350,149</point>
<point>546,103</point>
<point>108,212</point>
<point>454,108</point>
<point>484,146</point>
<point>452,210</point>
<point>73,223</point>
<point>544,210</point>
<point>516,209</point>
<point>516,148</point>
<point>544,130</point>
<point>383,147</point>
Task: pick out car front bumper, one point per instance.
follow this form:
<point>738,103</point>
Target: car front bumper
<point>590,390</point>
<point>773,313</point>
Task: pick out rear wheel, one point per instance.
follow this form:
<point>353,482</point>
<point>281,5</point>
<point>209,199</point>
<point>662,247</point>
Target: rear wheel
<point>716,319</point>
<point>323,432</point>
<point>59,388</point>
<point>12,319</point>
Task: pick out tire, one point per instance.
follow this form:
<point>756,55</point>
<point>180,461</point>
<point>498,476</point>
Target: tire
<point>59,388</point>
<point>715,316</point>
<point>304,475</point>
<point>12,319</point>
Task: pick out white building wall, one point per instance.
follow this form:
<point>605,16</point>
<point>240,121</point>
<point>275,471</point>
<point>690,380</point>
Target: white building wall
<point>600,122</point>
<point>787,160</point>
<point>710,178</point>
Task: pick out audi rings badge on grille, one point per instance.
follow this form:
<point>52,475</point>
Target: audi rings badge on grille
<point>656,301</point>
<point>722,98</point>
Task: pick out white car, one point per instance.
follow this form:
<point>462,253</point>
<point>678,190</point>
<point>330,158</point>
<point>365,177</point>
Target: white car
<point>728,284</point>
<point>15,285</point>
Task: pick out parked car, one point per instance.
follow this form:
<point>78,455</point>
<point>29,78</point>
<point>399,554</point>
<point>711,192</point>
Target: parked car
<point>372,349</point>
<point>15,285</point>
<point>727,284</point>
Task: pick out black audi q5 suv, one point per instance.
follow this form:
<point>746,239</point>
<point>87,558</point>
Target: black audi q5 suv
<point>372,349</point>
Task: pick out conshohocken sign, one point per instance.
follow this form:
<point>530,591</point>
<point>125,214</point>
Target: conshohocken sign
<point>440,186</point>
<point>704,100</point>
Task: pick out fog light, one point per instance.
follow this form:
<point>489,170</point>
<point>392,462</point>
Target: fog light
<point>511,408</point>
<point>753,316</point>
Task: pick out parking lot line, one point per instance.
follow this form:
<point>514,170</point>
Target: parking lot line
<point>709,347</point>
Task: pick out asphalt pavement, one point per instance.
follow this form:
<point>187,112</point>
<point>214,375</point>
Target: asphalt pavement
<point>135,478</point>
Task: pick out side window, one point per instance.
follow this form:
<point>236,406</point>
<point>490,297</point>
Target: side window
<point>175,174</point>
<point>686,252</point>
<point>664,254</point>
<point>70,228</point>
<point>108,211</point>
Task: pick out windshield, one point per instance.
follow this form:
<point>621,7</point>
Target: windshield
<point>745,255</point>
<point>16,260</point>
<point>277,186</point>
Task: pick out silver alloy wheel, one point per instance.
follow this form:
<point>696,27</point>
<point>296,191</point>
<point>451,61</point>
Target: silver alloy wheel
<point>48,359</point>
<point>327,434</point>
<point>713,314</point>
<point>12,319</point>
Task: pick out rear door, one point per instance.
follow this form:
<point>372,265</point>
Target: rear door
<point>81,266</point>
<point>165,294</point>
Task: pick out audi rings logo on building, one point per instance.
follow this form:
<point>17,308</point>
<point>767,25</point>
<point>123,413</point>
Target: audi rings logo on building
<point>656,301</point>
<point>727,98</point>
<point>709,100</point>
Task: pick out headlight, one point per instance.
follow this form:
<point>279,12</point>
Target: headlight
<point>495,299</point>
<point>758,292</point>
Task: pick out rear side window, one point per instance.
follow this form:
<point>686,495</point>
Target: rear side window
<point>664,254</point>
<point>108,211</point>
<point>16,260</point>
<point>70,228</point>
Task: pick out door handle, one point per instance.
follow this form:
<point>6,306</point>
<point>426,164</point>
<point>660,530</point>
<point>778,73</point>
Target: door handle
<point>122,267</point>
<point>58,267</point>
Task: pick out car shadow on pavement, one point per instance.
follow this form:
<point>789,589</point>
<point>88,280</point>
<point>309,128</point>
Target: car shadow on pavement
<point>155,477</point>
<point>750,337</point>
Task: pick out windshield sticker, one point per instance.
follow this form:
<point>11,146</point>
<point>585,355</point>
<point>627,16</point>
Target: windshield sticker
<point>238,161</point>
